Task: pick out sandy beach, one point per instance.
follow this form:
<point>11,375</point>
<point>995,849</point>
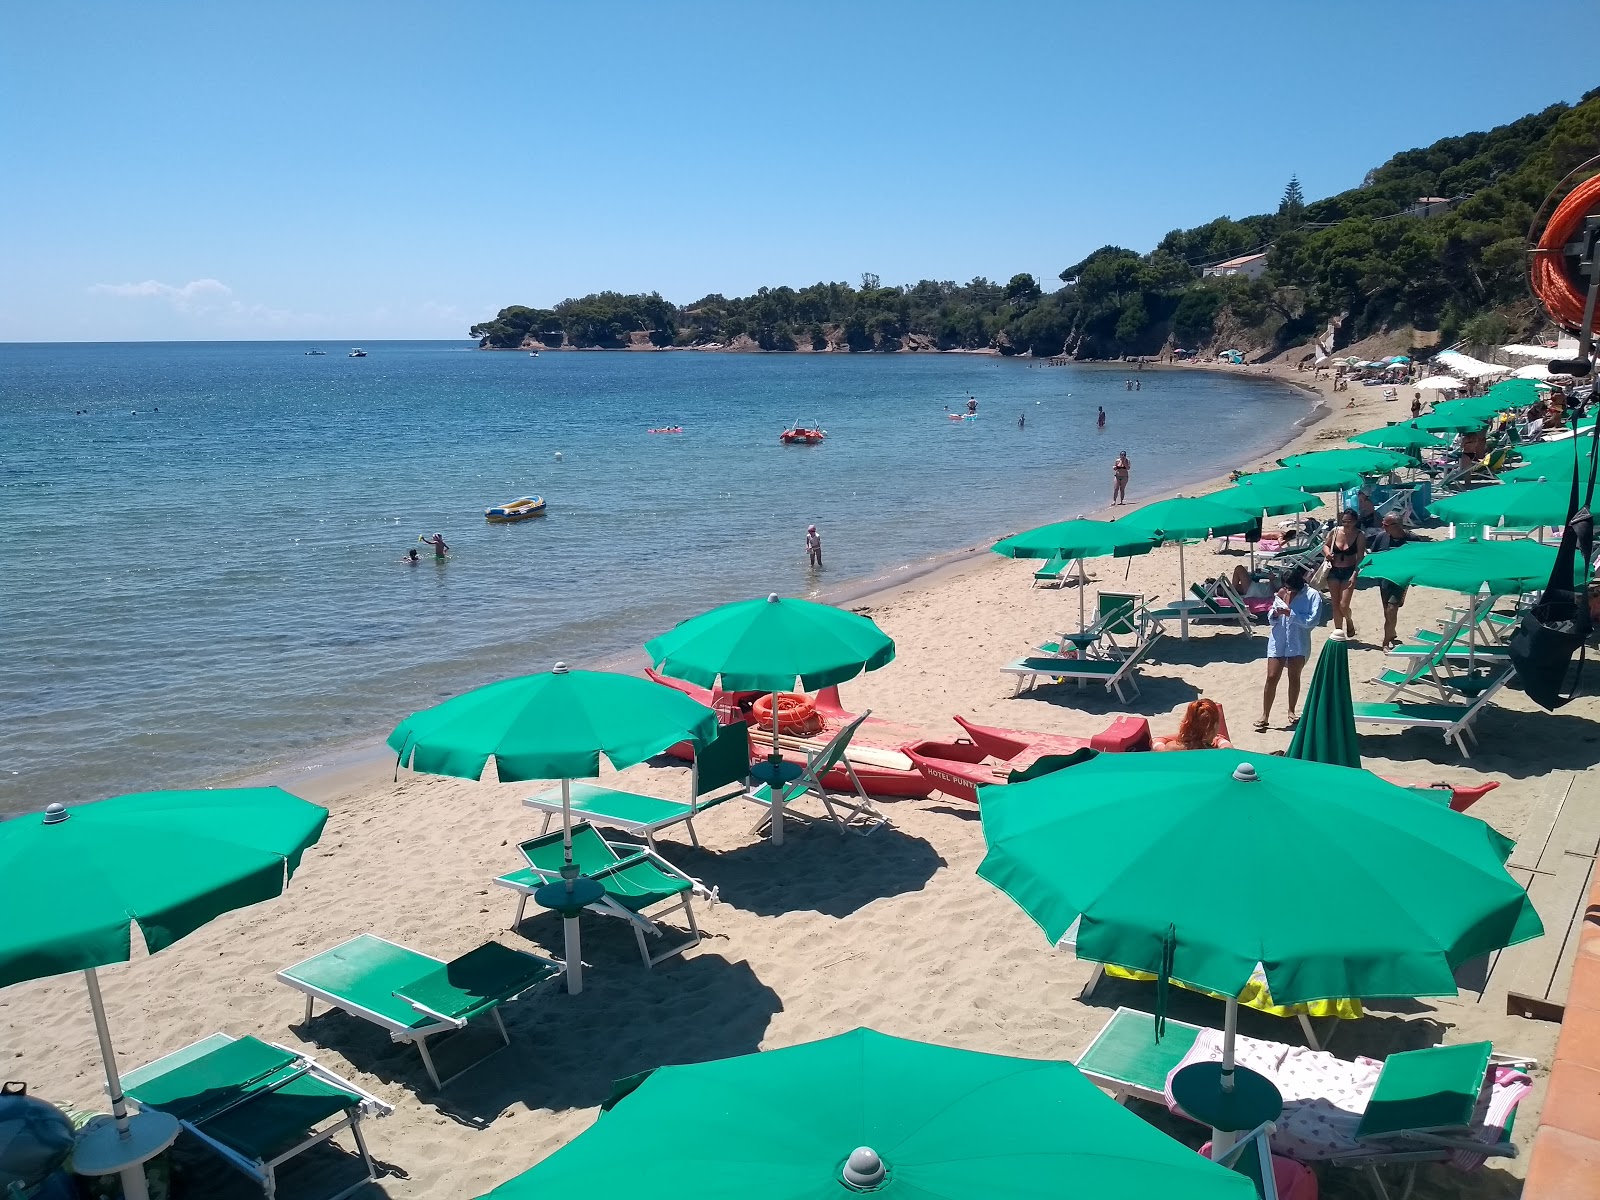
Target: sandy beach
<point>825,933</point>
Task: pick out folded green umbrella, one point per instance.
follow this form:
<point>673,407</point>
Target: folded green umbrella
<point>1409,437</point>
<point>1184,518</point>
<point>1517,503</point>
<point>865,1113</point>
<point>1327,729</point>
<point>770,645</point>
<point>75,880</point>
<point>1502,567</point>
<point>1365,460</point>
<point>1312,477</point>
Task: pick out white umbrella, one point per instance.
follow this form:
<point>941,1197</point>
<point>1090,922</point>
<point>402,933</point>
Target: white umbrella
<point>1441,383</point>
<point>1532,371</point>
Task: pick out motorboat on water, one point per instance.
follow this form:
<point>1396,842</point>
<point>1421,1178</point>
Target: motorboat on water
<point>357,352</point>
<point>519,509</point>
<point>533,354</point>
<point>803,435</point>
<point>988,755</point>
<point>874,752</point>
<point>314,350</point>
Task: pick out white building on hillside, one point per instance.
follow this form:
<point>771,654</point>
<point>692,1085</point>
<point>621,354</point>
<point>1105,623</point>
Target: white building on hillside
<point>1251,266</point>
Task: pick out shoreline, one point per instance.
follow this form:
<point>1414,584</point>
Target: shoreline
<point>335,770</point>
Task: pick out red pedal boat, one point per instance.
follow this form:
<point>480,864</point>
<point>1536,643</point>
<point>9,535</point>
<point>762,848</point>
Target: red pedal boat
<point>802,435</point>
<point>875,753</point>
<point>960,768</point>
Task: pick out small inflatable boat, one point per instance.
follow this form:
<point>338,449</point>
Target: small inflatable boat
<point>516,510</point>
<point>802,435</point>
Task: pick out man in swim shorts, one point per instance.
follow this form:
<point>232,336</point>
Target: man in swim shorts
<point>813,546</point>
<point>440,549</point>
<point>1119,478</point>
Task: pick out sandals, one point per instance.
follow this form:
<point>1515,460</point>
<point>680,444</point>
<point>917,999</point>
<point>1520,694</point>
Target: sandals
<point>1261,726</point>
<point>1294,722</point>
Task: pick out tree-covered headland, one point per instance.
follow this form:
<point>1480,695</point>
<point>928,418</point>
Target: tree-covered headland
<point>1373,258</point>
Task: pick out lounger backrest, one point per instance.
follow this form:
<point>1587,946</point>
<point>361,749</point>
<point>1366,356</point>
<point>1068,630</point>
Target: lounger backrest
<point>589,851</point>
<point>834,750</point>
<point>725,761</point>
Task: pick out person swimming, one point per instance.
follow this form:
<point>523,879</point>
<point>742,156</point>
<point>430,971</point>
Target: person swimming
<point>411,557</point>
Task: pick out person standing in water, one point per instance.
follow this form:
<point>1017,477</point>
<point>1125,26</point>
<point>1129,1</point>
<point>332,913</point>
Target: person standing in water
<point>813,547</point>
<point>1119,478</point>
<point>440,548</point>
<point>972,404</point>
<point>1022,420</point>
<point>1100,418</point>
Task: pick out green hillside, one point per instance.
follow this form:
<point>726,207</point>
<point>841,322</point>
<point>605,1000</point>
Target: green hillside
<point>1366,255</point>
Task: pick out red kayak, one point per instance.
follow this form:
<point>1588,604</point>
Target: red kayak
<point>961,767</point>
<point>875,752</point>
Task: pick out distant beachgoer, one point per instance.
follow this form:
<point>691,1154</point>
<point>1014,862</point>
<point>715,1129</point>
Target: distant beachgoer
<point>813,546</point>
<point>1119,478</point>
<point>1138,384</point>
<point>972,405</point>
<point>1127,385</point>
<point>1393,595</point>
<point>1100,418</point>
<point>411,557</point>
<point>1022,420</point>
<point>1295,611</point>
<point>440,549</point>
<point>1416,406</point>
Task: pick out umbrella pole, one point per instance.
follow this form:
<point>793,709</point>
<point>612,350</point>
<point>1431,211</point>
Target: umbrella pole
<point>1222,1139</point>
<point>776,761</point>
<point>134,1186</point>
<point>572,935</point>
<point>1083,586</point>
<point>1183,596</point>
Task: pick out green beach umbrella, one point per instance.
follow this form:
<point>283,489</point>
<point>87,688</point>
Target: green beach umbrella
<point>1517,503</point>
<point>1445,420</point>
<point>1550,470</point>
<point>1202,865</point>
<point>1409,437</point>
<point>1266,497</point>
<point>1079,538</point>
<point>1502,568</point>
<point>553,725</point>
<point>1514,393</point>
<point>1563,454</point>
<point>1313,477</point>
<point>75,880</point>
<point>866,1113</point>
<point>1185,518</point>
<point>1364,460</point>
<point>771,645</point>
<point>1327,729</point>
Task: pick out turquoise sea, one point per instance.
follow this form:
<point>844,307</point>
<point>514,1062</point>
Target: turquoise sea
<point>202,572</point>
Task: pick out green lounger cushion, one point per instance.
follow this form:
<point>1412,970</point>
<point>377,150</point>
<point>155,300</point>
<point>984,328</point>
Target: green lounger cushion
<point>1458,649</point>
<point>1051,569</point>
<point>1422,1091</point>
<point>479,980</point>
<point>366,971</point>
<point>1126,1050</point>
<point>588,798</point>
<point>1412,714</point>
<point>249,1095</point>
<point>1066,666</point>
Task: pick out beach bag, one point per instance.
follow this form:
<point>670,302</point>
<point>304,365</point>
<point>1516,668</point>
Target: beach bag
<point>1558,624</point>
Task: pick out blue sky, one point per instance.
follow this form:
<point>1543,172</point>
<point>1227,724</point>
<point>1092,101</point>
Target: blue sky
<point>354,170</point>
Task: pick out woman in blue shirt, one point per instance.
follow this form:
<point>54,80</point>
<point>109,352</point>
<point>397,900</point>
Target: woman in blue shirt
<point>1296,610</point>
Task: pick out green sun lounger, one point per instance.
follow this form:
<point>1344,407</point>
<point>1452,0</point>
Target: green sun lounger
<point>635,879</point>
<point>256,1105</point>
<point>720,771</point>
<point>1213,603</point>
<point>1453,720</point>
<point>847,810</point>
<point>1126,1060</point>
<point>1053,572</point>
<point>415,996</point>
<point>1112,674</point>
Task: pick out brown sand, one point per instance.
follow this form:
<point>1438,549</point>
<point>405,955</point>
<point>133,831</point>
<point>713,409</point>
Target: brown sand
<point>812,938</point>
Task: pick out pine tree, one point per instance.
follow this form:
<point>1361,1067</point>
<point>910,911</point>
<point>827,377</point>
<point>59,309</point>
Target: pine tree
<point>1293,203</point>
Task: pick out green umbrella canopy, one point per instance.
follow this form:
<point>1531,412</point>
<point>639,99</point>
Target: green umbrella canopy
<point>1514,393</point>
<point>783,1124</point>
<point>1550,470</point>
<point>74,880</point>
<point>1264,498</point>
<point>1506,567</point>
<point>1077,538</point>
<point>1562,454</point>
<point>554,725</point>
<point>1184,517</point>
<point>1520,503</point>
<point>1409,437</point>
<point>1334,881</point>
<point>1365,460</point>
<point>1312,477</point>
<point>767,645</point>
<point>1443,419</point>
<point>1327,729</point>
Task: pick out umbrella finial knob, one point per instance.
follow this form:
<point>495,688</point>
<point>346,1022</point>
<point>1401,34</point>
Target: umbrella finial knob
<point>54,814</point>
<point>863,1169</point>
<point>1245,773</point>
<point>772,597</point>
<point>560,668</point>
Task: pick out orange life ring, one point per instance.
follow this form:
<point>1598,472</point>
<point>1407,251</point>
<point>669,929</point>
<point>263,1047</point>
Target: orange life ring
<point>1559,294</point>
<point>797,716</point>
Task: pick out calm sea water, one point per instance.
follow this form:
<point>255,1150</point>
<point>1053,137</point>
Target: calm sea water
<point>202,577</point>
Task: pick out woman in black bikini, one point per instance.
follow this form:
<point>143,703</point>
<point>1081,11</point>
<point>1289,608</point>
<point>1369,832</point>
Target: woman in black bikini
<point>1345,548</point>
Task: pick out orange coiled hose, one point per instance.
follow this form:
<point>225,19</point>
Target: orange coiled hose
<point>1562,298</point>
